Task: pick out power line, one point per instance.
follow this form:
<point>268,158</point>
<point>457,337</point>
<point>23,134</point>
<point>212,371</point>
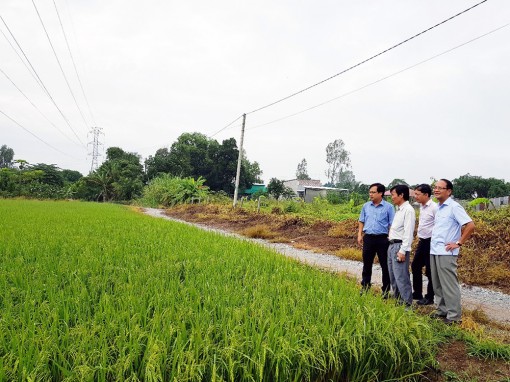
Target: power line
<point>366,60</point>
<point>19,56</point>
<point>35,106</point>
<point>40,82</point>
<point>35,136</point>
<point>74,64</point>
<point>60,65</point>
<point>223,128</point>
<point>379,80</point>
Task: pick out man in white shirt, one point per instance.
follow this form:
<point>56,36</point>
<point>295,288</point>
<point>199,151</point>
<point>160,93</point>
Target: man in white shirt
<point>428,208</point>
<point>401,238</point>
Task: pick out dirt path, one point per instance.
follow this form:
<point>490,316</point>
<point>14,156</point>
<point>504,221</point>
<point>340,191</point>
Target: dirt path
<point>495,304</point>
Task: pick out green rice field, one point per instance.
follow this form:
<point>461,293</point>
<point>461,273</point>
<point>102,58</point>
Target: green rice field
<point>101,292</point>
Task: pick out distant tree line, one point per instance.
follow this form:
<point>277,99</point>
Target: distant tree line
<point>122,176</point>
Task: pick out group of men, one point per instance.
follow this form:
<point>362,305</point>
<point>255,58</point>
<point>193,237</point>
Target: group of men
<point>387,231</point>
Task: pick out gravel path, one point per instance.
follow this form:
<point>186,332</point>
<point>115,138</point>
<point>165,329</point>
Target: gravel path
<point>495,304</point>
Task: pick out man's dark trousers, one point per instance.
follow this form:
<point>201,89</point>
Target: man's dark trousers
<point>372,245</point>
<point>422,259</point>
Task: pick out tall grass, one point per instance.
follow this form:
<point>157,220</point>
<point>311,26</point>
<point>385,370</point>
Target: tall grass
<point>96,292</point>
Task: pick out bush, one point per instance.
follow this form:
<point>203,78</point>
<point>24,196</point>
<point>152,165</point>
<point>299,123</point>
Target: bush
<point>168,191</point>
<point>293,206</point>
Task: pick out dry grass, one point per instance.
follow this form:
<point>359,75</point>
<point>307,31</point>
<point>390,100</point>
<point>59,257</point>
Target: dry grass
<point>349,254</point>
<point>347,229</point>
<point>258,232</point>
<point>485,260</point>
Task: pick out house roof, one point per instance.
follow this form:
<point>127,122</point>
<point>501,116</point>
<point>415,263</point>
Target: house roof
<point>306,182</point>
<point>325,188</point>
<point>254,188</point>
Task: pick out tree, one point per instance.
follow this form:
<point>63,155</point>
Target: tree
<point>250,172</point>
<point>346,179</point>
<point>51,174</point>
<point>275,188</point>
<point>120,177</point>
<point>337,158</point>
<point>71,176</point>
<point>158,164</point>
<point>190,155</point>
<point>6,156</point>
<point>302,170</point>
<point>195,155</point>
<point>472,186</point>
<point>222,173</point>
<point>395,182</point>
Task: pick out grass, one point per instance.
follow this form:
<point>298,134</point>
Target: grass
<point>258,232</point>
<point>97,292</point>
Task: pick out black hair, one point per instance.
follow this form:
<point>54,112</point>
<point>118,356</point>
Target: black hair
<point>424,189</point>
<point>449,184</point>
<point>380,187</point>
<point>401,189</point>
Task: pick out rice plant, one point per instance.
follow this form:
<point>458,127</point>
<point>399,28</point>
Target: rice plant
<point>99,292</point>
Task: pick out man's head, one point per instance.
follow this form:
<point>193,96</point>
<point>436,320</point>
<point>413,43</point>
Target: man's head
<point>422,193</point>
<point>376,192</point>
<point>399,194</point>
<point>443,190</point>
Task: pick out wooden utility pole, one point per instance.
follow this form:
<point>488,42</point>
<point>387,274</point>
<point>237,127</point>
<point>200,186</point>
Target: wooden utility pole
<point>239,159</point>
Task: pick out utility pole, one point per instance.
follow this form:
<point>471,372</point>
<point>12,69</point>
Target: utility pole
<point>95,147</point>
<point>239,159</point>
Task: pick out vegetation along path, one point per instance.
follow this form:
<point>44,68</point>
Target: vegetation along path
<point>494,304</point>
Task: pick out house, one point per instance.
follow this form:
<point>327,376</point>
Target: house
<point>312,192</point>
<point>298,185</point>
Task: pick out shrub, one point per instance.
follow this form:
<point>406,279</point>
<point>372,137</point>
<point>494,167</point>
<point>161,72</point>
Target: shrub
<point>167,191</point>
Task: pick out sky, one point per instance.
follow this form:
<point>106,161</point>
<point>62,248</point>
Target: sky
<point>436,106</point>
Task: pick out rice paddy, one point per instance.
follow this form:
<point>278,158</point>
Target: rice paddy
<point>99,292</point>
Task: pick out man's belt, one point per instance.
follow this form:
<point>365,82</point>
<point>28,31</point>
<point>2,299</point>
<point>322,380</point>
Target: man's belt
<point>394,241</point>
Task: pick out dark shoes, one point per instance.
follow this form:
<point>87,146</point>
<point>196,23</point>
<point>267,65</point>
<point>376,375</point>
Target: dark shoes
<point>443,318</point>
<point>452,322</point>
<point>425,301</point>
<point>438,316</point>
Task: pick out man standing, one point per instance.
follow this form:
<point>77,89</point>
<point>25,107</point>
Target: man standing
<point>373,227</point>
<point>401,238</point>
<point>452,227</point>
<point>428,209</point>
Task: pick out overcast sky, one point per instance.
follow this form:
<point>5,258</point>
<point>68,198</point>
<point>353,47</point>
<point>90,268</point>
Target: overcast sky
<point>153,70</point>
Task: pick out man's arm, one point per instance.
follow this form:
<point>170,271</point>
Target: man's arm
<point>360,232</point>
<point>467,231</point>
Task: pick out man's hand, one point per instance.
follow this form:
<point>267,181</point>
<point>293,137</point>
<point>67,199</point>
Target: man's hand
<point>360,239</point>
<point>451,246</point>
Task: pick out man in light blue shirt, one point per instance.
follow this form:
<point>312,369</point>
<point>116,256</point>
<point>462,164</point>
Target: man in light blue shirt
<point>452,227</point>
<point>373,227</point>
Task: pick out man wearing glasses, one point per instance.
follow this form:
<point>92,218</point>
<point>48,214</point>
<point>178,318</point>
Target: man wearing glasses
<point>452,227</point>
<point>373,227</point>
